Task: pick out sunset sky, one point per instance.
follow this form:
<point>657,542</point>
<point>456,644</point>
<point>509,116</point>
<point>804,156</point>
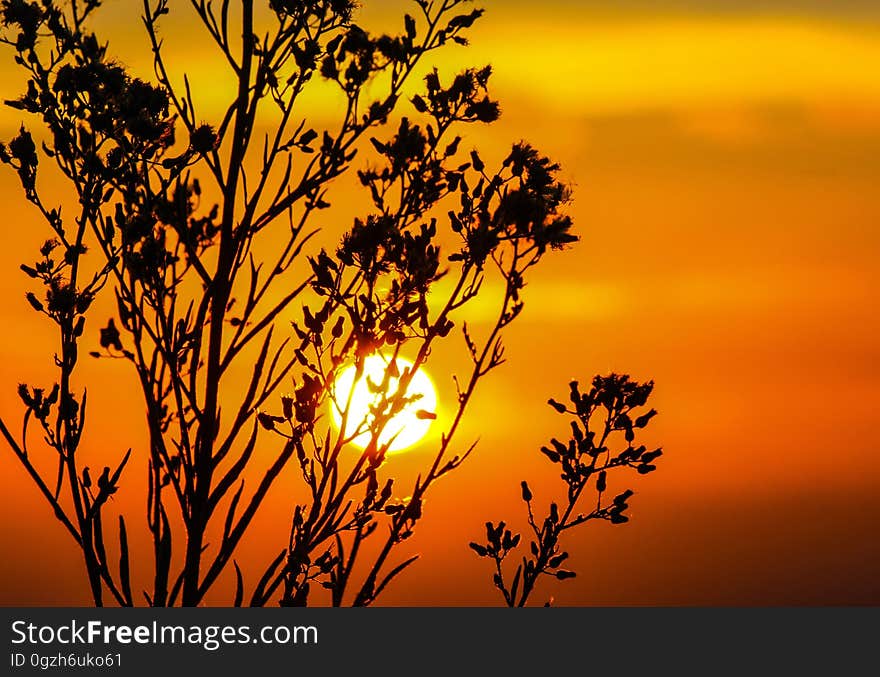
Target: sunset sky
<point>725,161</point>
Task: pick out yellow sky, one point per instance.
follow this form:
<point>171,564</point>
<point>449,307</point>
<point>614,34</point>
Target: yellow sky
<point>602,64</point>
<point>680,63</point>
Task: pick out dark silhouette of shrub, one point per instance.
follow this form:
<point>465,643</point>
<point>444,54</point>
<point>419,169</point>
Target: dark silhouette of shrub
<point>606,412</point>
<point>169,214</point>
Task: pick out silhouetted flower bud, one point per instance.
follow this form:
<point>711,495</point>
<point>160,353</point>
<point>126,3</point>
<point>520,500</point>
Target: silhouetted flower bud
<point>479,549</point>
<point>557,406</point>
<point>34,301</point>
<point>110,336</point>
<point>203,139</point>
<point>287,406</point>
<point>266,420</point>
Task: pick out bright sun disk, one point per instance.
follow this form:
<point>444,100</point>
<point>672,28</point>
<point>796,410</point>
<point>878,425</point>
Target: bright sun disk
<point>406,427</point>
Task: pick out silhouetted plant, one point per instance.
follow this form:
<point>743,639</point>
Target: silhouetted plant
<point>606,412</point>
<point>174,221</point>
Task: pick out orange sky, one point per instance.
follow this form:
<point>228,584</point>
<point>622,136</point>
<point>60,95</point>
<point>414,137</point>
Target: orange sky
<point>725,164</point>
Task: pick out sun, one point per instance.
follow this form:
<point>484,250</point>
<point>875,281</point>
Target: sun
<point>406,427</point>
